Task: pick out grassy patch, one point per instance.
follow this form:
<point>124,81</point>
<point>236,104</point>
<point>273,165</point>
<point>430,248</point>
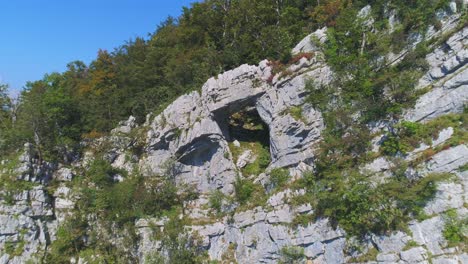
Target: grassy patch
<point>259,151</point>
<point>292,255</point>
<point>456,229</point>
<point>296,113</point>
<point>279,177</point>
<point>410,244</point>
<point>370,255</point>
<point>359,206</point>
<point>249,194</point>
<point>215,200</point>
<point>409,135</point>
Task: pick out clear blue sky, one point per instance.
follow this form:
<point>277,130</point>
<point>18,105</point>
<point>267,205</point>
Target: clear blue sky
<point>42,36</point>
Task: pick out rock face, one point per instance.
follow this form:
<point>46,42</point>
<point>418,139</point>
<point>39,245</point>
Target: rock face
<point>194,129</point>
<point>26,216</point>
<point>190,142</point>
<point>448,75</point>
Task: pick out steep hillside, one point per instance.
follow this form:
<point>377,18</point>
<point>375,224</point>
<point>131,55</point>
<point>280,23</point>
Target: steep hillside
<point>351,151</point>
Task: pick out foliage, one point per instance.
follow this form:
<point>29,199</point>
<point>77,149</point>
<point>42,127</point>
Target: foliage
<point>178,246</point>
<point>296,113</point>
<point>359,206</point>
<point>113,205</point>
<point>456,229</point>
<point>144,75</point>
<point>367,88</point>
<point>248,193</point>
<point>407,136</point>
<point>216,200</point>
<point>10,185</point>
<point>279,177</point>
<point>370,255</point>
<point>292,255</point>
<point>410,244</point>
<point>243,190</point>
<point>259,151</point>
<point>69,240</point>
<point>261,162</point>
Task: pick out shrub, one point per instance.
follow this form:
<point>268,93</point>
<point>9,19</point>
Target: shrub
<point>244,189</point>
<point>215,200</point>
<point>391,145</point>
<point>279,177</point>
<point>359,206</point>
<point>456,229</point>
<point>292,255</point>
<point>179,246</point>
<point>100,172</point>
<point>296,113</point>
<point>249,194</point>
<point>261,162</point>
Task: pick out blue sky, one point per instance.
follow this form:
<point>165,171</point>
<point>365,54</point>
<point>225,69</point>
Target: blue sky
<point>42,36</point>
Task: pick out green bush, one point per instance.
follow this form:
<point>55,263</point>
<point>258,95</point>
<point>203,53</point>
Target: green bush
<point>359,206</point>
<point>100,172</point>
<point>261,162</point>
<point>279,177</point>
<point>296,113</point>
<point>215,200</point>
<point>391,145</point>
<point>456,229</point>
<point>249,194</point>
<point>292,255</point>
<point>409,135</point>
<point>179,246</point>
<point>244,189</point>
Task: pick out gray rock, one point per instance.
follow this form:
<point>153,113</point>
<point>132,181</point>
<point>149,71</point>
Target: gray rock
<point>448,160</point>
<point>391,243</point>
<point>63,174</point>
<point>365,15</point>
<point>233,89</point>
<point>4,259</point>
<point>439,102</point>
<point>444,135</point>
<point>445,260</point>
<point>281,215</point>
<point>334,251</point>
<point>292,141</point>
<point>250,217</point>
<point>429,233</point>
<point>307,44</point>
<point>449,75</point>
<point>449,196</point>
<point>312,251</point>
<point>387,258</point>
<point>414,255</point>
<point>463,258</point>
<point>244,159</point>
<point>125,127</point>
<point>9,225</point>
<point>380,164</point>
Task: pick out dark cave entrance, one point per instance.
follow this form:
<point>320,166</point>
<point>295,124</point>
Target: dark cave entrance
<point>245,130</point>
<point>246,125</point>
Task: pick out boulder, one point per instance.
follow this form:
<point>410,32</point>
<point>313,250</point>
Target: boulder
<point>308,44</point>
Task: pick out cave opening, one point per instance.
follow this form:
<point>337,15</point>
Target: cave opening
<point>246,125</point>
<point>248,138</point>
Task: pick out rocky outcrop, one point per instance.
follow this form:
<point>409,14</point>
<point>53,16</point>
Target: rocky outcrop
<point>191,135</point>
<point>27,213</point>
<point>190,141</point>
<point>448,77</point>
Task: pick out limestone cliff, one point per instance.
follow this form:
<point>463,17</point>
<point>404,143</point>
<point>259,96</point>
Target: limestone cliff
<point>200,143</point>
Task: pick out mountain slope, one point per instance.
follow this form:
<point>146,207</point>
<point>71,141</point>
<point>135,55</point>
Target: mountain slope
<point>260,166</point>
